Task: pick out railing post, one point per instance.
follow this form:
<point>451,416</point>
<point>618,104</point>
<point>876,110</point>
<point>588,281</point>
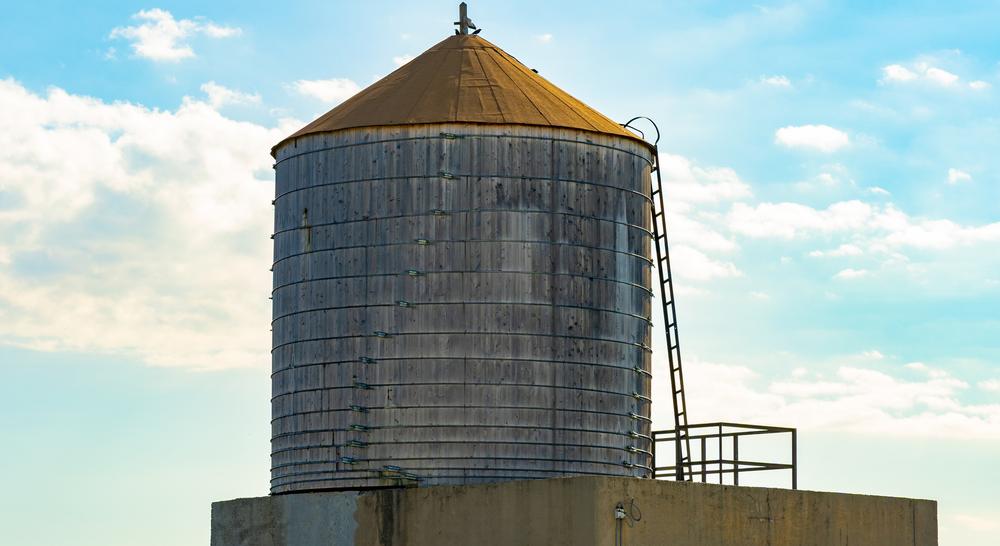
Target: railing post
<point>652,450</point>
<point>721,473</point>
<point>795,459</point>
<point>704,465</point>
<point>678,456</point>
<point>736,458</point>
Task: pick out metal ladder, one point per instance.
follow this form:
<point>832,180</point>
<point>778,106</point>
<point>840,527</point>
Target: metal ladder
<point>683,441</point>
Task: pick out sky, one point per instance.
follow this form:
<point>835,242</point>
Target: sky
<point>833,189</point>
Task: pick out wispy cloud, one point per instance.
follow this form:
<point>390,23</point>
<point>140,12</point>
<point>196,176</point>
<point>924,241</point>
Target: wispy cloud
<point>333,91</point>
<point>855,398</point>
<point>957,176</point>
<point>402,59</point>
<point>219,95</point>
<point>926,72</point>
<point>791,220</point>
<point>990,385</point>
<point>776,81</point>
<point>845,249</point>
<point>544,38</point>
<point>850,274</point>
<point>880,227</point>
<point>822,138</point>
<point>160,37</point>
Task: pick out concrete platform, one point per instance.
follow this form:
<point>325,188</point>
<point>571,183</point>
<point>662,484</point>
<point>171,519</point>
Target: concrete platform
<point>577,511</point>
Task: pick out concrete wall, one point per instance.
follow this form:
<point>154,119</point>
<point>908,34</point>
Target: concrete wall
<point>575,511</point>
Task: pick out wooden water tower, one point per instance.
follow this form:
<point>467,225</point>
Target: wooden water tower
<point>462,283</point>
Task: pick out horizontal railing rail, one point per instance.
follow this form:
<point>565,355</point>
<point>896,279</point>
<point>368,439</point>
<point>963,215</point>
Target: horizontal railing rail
<point>715,452</point>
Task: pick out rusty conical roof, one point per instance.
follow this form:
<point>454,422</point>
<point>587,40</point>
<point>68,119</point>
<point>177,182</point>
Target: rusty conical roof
<point>463,79</point>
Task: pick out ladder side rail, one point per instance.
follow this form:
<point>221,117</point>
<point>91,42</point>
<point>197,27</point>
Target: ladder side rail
<point>678,398</point>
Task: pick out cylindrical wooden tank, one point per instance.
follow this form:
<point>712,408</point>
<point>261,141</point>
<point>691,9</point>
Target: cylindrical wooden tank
<point>459,303</point>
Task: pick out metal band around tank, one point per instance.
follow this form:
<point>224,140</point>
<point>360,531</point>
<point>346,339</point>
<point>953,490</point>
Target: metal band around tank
<point>446,212</point>
<point>642,346</point>
<point>648,261</point>
<point>416,303</point>
<point>456,176</point>
<point>501,359</point>
<point>451,136</point>
<point>457,271</point>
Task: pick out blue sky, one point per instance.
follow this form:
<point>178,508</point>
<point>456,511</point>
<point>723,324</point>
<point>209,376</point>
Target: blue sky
<point>834,196</point>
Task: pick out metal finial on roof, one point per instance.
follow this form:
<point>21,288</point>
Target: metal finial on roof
<point>464,23</point>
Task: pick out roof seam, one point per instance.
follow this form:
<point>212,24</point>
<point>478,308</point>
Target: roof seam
<point>430,81</point>
<point>489,82</point>
<point>525,95</point>
<point>458,88</point>
<point>568,106</point>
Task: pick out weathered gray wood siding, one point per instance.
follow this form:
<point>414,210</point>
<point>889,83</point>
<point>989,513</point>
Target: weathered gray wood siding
<point>468,303</point>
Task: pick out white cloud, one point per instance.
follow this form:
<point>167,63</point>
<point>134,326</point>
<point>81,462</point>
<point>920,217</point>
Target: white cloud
<point>932,234</point>
<point>160,37</point>
<point>925,72</point>
<point>693,265</point>
<point>691,191</point>
<point>333,91</point>
<point>822,138</point>
<point>990,385</point>
<point>977,523</point>
<point>854,399</point>
<point>402,59</point>
<point>845,249</point>
<point>791,220</point>
<point>878,190</point>
<point>543,38</point>
<point>875,228</point>
<point>956,176</point>
<point>135,231</point>
<point>872,355</point>
<point>776,81</point>
<point>690,183</point>
<point>897,73</point>
<point>849,274</point>
<point>940,76</point>
<point>219,96</point>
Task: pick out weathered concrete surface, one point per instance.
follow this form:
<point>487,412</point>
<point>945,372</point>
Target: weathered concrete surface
<point>575,511</point>
<point>322,518</point>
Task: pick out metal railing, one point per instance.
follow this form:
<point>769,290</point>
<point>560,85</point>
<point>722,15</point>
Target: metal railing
<point>715,451</point>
